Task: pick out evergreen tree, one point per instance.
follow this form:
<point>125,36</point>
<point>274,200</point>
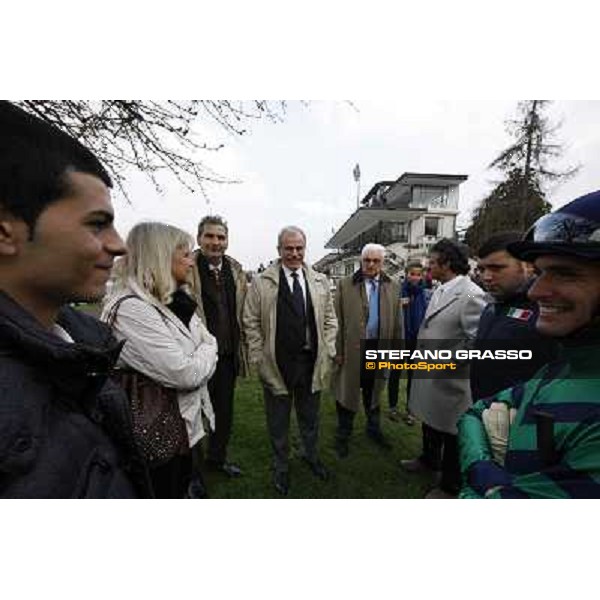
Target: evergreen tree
<point>520,198</point>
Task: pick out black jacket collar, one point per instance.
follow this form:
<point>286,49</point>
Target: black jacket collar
<point>70,366</point>
<point>519,297</point>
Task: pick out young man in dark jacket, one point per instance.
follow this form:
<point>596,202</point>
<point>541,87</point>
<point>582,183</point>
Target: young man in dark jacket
<point>64,427</point>
<point>508,322</point>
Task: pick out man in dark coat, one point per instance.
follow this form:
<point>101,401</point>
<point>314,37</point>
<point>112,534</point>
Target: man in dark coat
<point>222,290</point>
<point>509,321</point>
<point>65,429</point>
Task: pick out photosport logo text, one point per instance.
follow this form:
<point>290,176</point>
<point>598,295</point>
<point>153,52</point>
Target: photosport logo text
<point>435,360</point>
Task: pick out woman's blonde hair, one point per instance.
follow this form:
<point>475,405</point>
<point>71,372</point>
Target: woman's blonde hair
<point>150,249</point>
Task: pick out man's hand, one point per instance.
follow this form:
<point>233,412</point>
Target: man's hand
<point>339,359</point>
<point>497,420</point>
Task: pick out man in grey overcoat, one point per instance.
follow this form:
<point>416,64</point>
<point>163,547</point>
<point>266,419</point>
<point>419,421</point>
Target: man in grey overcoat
<point>368,308</point>
<point>452,318</point>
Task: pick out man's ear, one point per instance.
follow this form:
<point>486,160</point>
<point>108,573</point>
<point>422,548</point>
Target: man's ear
<point>11,234</point>
<point>529,269</point>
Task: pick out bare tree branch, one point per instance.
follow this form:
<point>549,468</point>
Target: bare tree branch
<point>155,137</point>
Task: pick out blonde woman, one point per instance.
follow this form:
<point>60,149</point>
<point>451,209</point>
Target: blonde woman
<point>152,309</point>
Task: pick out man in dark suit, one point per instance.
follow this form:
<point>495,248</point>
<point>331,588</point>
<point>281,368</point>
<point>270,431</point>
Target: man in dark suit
<point>222,289</point>
<point>293,361</point>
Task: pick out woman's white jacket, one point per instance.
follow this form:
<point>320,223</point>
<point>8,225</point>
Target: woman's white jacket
<point>161,347</point>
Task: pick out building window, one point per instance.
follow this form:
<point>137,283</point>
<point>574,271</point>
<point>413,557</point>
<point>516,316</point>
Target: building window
<point>391,232</point>
<point>399,232</point>
<point>349,268</point>
<point>432,226</point>
<point>429,197</point>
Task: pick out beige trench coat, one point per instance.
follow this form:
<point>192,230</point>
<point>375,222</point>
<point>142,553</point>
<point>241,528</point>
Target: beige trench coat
<point>440,402</point>
<point>260,324</point>
<point>352,311</point>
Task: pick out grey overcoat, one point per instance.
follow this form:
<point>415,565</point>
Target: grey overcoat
<point>440,402</point>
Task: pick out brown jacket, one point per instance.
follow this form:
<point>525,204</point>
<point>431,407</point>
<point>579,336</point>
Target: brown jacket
<point>352,309</point>
<point>241,286</point>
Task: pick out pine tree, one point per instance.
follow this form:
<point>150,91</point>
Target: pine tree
<point>520,198</point>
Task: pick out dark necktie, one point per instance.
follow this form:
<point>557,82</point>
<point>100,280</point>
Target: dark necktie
<point>297,295</point>
<point>217,276</point>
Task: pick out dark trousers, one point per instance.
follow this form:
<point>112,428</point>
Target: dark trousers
<point>394,381</point>
<point>371,407</point>
<point>278,411</point>
<point>171,480</point>
<point>221,388</point>
<point>394,387</point>
<point>440,452</point>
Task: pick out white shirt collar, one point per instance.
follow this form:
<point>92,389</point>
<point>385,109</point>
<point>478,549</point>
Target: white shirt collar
<point>288,272</point>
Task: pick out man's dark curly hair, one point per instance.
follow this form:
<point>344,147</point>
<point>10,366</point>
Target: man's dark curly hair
<point>454,254</point>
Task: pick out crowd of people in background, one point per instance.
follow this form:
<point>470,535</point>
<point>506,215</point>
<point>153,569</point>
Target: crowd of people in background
<point>140,404</point>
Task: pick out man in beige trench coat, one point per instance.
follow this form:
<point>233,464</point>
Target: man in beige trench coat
<point>368,307</point>
<point>290,328</point>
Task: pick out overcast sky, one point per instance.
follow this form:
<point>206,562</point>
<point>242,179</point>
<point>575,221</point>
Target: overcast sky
<point>299,171</point>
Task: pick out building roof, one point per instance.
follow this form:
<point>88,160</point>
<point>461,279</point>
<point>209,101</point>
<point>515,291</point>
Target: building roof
<point>400,193</point>
<point>329,258</point>
<point>364,218</point>
<point>392,199</point>
<point>381,187</point>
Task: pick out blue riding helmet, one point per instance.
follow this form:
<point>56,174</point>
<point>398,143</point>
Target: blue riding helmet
<point>573,230</point>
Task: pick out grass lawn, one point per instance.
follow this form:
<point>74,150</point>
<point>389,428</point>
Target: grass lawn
<point>368,471</point>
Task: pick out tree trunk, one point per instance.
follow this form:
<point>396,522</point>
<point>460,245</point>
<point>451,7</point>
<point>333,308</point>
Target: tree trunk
<point>527,171</point>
